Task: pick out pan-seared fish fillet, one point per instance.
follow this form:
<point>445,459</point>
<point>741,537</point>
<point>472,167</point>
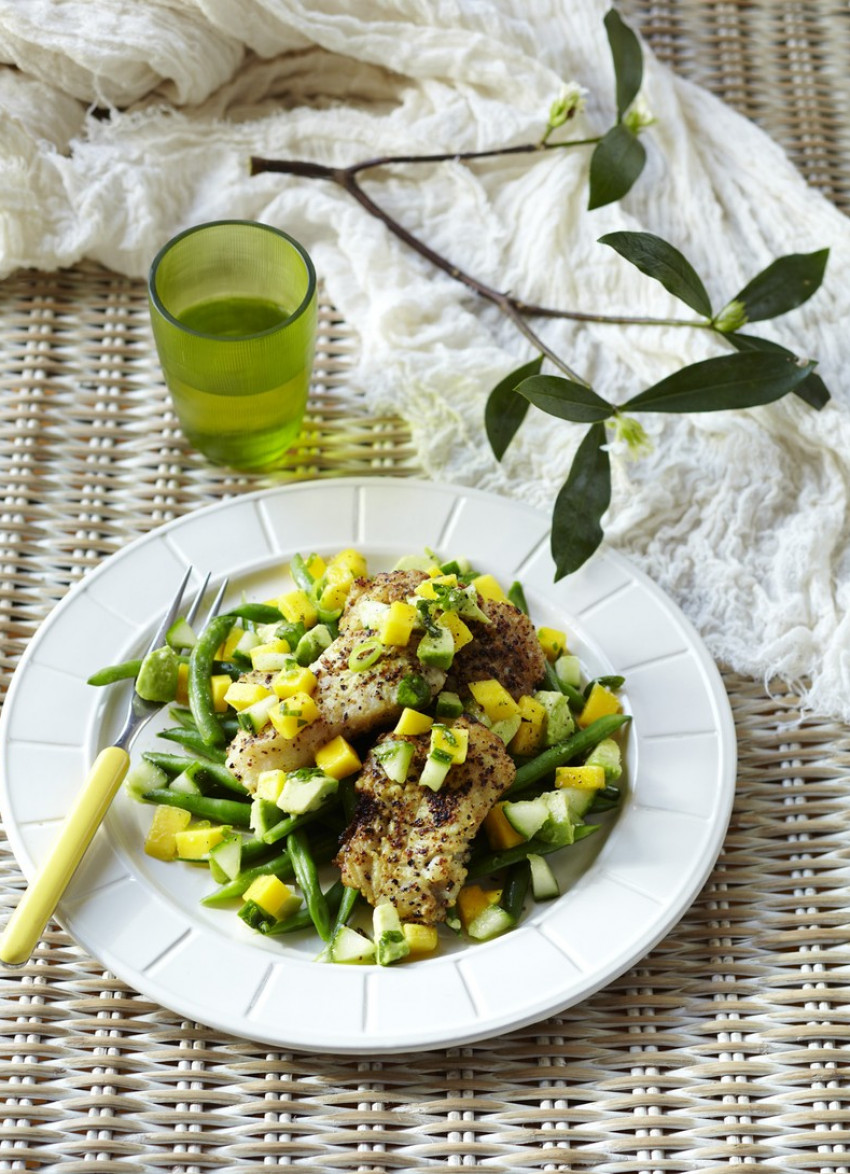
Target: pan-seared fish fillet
<point>410,845</point>
<point>349,703</point>
<point>385,587</point>
<point>507,648</point>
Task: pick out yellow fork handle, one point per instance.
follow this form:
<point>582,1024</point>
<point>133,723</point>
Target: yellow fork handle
<point>44,892</point>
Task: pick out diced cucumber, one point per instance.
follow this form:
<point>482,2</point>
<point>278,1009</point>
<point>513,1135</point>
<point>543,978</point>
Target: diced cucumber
<point>490,923</point>
<point>303,793</point>
<point>226,859</point>
<point>578,800</point>
<point>448,704</point>
<point>437,766</point>
<point>255,717</point>
<point>414,562</point>
<point>527,816</point>
<point>559,719</point>
<point>559,828</point>
<point>395,758</point>
<point>256,917</point>
<point>185,783</point>
<point>181,634</point>
<point>246,642</point>
<point>607,755</point>
<point>506,727</point>
<point>312,644</point>
<point>437,648</point>
<point>568,671</point>
<point>349,946</point>
<point>544,883</point>
<point>390,943</point>
<point>143,777</point>
<point>264,816</point>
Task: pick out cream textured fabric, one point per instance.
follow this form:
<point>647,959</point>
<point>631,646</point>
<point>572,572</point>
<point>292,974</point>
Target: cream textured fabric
<point>126,120</point>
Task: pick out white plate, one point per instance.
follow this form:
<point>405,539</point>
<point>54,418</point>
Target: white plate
<point>624,888</point>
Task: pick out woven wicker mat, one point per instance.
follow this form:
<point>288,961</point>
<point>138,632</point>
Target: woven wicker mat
<point>728,1044</point>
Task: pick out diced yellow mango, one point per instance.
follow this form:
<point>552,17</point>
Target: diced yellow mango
<point>167,821</point>
<point>293,714</point>
<point>411,721</point>
<point>553,642</point>
<point>589,777</point>
<point>338,582</point>
<point>460,633</point>
<point>290,681</point>
<point>426,588</point>
<point>195,843</point>
<point>338,758</point>
<point>600,703</point>
<point>241,694</point>
<point>182,695</point>
<point>226,649</point>
<point>494,699</point>
<point>422,939</point>
<point>434,570</point>
<point>500,834</point>
<point>315,565</point>
<point>272,895</point>
<point>219,684</point>
<point>490,588</point>
<point>353,560</point>
<point>297,607</point>
<point>270,783</point>
<point>397,625</point>
<point>472,900</point>
<point>529,737</point>
<point>453,741</point>
<point>271,655</point>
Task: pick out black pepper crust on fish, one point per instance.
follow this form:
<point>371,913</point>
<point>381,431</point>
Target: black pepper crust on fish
<point>507,648</point>
<point>409,845</point>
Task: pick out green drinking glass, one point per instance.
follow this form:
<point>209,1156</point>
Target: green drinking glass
<point>233,309</point>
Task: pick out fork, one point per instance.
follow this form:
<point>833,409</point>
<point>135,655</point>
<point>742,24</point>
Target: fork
<point>45,890</point>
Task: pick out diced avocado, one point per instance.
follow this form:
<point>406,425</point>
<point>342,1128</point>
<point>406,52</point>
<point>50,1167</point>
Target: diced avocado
<point>507,727</point>
<point>607,755</point>
<point>307,791</point>
<point>349,946</point>
<point>437,648</point>
<point>559,827</point>
<point>559,719</point>
<point>395,758</point>
<point>413,691</point>
<point>490,923</point>
<point>157,679</point>
<point>544,883</point>
<point>448,704</point>
<point>143,777</point>
<point>390,943</point>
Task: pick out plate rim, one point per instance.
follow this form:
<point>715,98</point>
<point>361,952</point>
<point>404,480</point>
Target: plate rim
<point>494,1026</point>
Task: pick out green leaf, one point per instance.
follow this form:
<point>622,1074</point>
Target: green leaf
<point>580,504</point>
<point>617,160</point>
<point>723,383</point>
<point>785,284</point>
<point>506,410</point>
<point>628,60</point>
<point>812,390</point>
<point>565,399</point>
<point>656,258</point>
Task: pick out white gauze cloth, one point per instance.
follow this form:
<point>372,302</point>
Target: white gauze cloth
<point>123,121</point>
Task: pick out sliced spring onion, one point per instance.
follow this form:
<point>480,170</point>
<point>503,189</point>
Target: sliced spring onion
<point>364,655</point>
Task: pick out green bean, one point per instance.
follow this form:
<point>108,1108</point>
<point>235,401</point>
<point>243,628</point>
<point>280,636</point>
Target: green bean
<point>349,899</point>
<point>115,672</point>
<point>307,876</point>
<point>347,795</point>
<point>300,574</point>
<point>490,862</point>
<point>290,824</point>
<point>281,866</point>
<point>199,689</point>
<point>254,613</point>
<point>578,743</point>
<point>301,919</point>
<point>516,888</point>
<point>229,811</point>
<point>552,681</point>
<point>516,596</point>
<point>175,764</point>
<point>192,740</point>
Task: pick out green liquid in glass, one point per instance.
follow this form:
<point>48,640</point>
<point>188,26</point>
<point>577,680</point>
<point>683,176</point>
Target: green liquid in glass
<point>249,429</point>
